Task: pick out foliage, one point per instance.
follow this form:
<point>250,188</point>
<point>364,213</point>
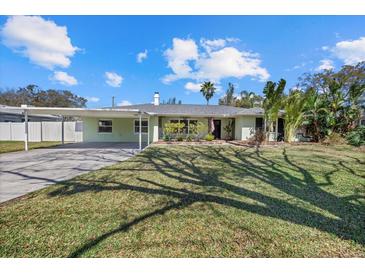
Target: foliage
<point>172,101</point>
<point>334,139</point>
<point>257,138</point>
<point>173,129</point>
<point>197,129</point>
<point>294,106</point>
<point>245,100</point>
<point>35,96</point>
<point>208,90</point>
<point>335,103</point>
<point>357,136</point>
<point>229,129</point>
<point>274,94</point>
<point>189,138</point>
<point>209,137</point>
<point>180,138</point>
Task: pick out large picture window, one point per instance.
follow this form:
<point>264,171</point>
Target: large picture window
<point>144,128</point>
<point>105,126</point>
<point>186,123</point>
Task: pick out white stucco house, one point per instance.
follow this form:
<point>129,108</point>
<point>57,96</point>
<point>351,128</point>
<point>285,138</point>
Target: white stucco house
<point>144,123</point>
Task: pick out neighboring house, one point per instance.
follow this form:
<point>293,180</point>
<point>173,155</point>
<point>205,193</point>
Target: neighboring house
<point>16,115</point>
<point>121,124</point>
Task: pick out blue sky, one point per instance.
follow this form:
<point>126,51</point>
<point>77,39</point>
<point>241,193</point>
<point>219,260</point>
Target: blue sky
<point>96,56</point>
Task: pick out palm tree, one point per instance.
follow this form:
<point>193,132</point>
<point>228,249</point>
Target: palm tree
<point>208,90</point>
<point>274,93</point>
<point>294,106</point>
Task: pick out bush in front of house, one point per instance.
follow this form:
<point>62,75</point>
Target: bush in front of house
<point>334,139</point>
<point>209,137</point>
<point>357,136</point>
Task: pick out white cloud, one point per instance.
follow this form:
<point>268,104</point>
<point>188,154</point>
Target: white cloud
<point>113,79</point>
<point>42,41</point>
<point>325,48</point>
<point>214,61</point>
<point>325,64</point>
<point>230,62</point>
<point>93,99</point>
<point>350,52</point>
<point>64,78</point>
<point>210,45</point>
<point>124,103</point>
<point>178,58</point>
<point>194,87</point>
<point>141,56</point>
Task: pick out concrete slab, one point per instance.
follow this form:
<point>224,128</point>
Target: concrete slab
<point>23,172</point>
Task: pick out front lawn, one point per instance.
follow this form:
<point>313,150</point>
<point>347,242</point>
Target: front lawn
<point>199,201</point>
<point>11,146</point>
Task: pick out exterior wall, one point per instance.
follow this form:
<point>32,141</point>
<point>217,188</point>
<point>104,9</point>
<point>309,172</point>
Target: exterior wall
<point>122,130</point>
<point>244,127</point>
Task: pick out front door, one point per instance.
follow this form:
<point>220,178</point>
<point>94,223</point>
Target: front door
<point>217,129</point>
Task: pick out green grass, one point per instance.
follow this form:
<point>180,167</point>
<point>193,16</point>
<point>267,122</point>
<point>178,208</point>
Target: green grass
<point>199,201</point>
<point>11,146</point>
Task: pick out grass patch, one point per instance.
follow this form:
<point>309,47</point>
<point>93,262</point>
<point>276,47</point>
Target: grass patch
<point>199,201</point>
<point>11,146</point>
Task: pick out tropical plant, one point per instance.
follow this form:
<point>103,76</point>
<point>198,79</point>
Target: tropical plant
<point>228,99</point>
<point>197,129</point>
<point>357,136</point>
<point>209,137</point>
<point>314,116</point>
<point>274,94</point>
<point>172,129</point>
<point>208,90</point>
<point>229,129</point>
<point>294,106</point>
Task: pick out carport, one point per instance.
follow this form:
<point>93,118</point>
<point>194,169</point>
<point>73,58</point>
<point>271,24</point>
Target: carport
<point>81,112</point>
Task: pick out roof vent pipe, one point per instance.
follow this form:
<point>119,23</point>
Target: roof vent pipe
<point>156,98</point>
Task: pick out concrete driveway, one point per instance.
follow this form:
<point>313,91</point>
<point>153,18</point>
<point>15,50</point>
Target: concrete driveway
<point>23,172</point>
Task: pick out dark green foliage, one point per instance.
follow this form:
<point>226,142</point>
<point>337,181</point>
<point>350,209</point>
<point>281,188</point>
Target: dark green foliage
<point>208,90</point>
<point>357,136</point>
<point>35,96</point>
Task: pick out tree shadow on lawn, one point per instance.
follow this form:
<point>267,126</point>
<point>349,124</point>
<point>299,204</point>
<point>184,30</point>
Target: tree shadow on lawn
<point>215,175</point>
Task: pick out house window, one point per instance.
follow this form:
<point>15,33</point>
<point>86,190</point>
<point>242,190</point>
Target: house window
<point>259,123</point>
<point>186,123</point>
<point>144,128</point>
<point>105,126</point>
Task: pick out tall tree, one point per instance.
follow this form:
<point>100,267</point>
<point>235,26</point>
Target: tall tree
<point>208,90</point>
<point>228,99</point>
<point>33,95</point>
<point>274,94</point>
<point>294,105</point>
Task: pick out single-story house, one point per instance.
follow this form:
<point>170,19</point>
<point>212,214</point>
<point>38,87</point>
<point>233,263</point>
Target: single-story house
<point>144,123</point>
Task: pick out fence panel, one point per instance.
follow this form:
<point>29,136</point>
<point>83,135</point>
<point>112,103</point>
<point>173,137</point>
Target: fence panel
<point>41,131</point>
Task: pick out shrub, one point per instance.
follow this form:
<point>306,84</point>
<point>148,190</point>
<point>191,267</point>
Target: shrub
<point>357,136</point>
<point>189,138</point>
<point>197,129</point>
<point>172,129</point>
<point>258,137</point>
<point>180,138</point>
<point>334,139</point>
<point>209,137</point>
<point>166,137</point>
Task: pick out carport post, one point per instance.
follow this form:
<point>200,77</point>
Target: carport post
<point>140,131</point>
<point>25,130</point>
<point>62,130</point>
<point>276,129</point>
<point>148,130</point>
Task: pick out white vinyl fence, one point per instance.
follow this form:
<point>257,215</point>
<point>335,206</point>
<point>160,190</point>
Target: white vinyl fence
<point>41,131</point>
